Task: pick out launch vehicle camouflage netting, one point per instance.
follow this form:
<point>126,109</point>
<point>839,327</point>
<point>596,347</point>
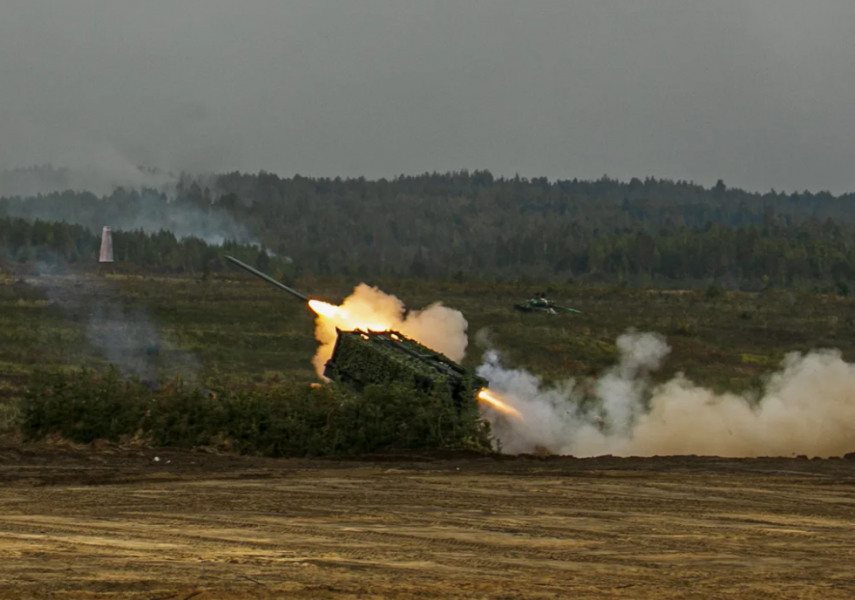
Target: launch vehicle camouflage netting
<point>361,359</point>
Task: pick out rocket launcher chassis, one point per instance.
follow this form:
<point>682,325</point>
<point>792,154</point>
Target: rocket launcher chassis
<point>362,358</point>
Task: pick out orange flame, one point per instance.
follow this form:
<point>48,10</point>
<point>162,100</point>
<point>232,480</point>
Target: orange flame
<point>490,398</point>
<point>343,319</point>
<point>324,309</point>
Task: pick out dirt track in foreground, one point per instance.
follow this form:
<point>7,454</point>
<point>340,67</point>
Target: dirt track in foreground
<point>115,523</point>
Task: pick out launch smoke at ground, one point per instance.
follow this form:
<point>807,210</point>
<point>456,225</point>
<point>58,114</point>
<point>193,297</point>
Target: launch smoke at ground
<point>807,407</point>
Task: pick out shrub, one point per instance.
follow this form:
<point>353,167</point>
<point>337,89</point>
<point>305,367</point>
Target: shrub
<point>285,420</point>
<point>82,406</point>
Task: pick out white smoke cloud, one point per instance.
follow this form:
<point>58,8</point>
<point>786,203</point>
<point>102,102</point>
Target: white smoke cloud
<point>807,407</point>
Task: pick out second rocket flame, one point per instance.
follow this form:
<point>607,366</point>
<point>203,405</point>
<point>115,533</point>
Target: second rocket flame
<point>490,398</point>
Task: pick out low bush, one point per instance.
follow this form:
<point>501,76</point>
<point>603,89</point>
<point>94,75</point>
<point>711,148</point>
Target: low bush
<point>283,420</point>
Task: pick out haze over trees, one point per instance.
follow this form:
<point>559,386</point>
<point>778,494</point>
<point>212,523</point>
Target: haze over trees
<point>460,224</point>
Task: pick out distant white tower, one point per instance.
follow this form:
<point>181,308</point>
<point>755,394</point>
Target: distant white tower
<point>106,246</point>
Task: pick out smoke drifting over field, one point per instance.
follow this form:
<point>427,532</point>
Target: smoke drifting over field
<point>125,336</point>
<point>807,407</point>
<point>132,341</point>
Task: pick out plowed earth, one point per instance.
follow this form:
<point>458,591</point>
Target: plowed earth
<point>143,524</point>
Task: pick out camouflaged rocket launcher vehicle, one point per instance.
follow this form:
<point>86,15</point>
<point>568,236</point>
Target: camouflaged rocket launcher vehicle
<point>362,358</point>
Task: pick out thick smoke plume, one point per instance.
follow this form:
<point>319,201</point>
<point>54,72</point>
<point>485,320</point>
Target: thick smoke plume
<point>805,408</point>
<point>438,327</point>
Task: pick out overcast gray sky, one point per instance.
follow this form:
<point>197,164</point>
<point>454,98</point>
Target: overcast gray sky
<point>760,93</point>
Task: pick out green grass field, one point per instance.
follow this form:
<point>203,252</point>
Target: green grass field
<point>236,328</point>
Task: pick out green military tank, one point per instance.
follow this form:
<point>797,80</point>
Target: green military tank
<point>539,304</point>
<point>363,357</point>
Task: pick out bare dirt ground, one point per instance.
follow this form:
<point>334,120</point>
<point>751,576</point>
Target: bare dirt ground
<point>117,523</point>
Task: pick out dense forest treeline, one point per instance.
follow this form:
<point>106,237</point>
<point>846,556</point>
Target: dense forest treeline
<point>464,224</point>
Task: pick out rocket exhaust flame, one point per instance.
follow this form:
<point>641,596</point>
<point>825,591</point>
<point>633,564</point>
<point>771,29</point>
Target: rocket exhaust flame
<point>490,398</point>
<point>369,309</point>
<point>343,319</point>
<point>324,309</point>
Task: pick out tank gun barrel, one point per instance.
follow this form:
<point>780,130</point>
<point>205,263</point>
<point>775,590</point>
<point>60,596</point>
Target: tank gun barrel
<point>268,279</point>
